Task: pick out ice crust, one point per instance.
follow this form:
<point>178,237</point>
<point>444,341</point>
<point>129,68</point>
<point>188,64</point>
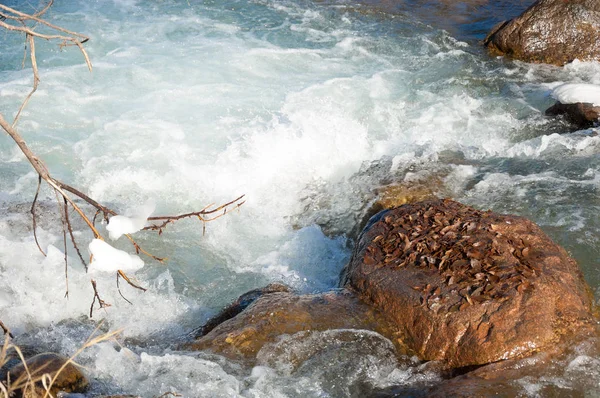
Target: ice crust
<point>572,93</point>
<point>107,259</point>
<point>120,225</point>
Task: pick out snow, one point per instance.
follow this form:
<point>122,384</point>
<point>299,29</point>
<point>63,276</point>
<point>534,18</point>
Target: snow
<point>573,93</point>
<point>109,260</point>
<point>120,225</point>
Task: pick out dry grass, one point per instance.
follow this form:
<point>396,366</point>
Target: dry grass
<point>39,384</point>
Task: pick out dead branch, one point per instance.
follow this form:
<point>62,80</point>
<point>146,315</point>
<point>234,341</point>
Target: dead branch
<point>166,220</point>
<point>16,21</point>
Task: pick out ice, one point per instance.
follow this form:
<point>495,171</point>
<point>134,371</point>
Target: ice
<point>572,93</point>
<point>120,225</point>
<point>107,259</point>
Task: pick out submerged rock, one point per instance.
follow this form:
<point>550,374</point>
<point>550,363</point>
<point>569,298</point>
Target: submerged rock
<point>283,313</point>
<point>468,287</point>
<point>69,378</point>
<point>550,31</point>
<point>580,115</point>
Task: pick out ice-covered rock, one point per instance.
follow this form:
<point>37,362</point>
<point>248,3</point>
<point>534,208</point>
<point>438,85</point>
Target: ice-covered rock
<point>578,103</point>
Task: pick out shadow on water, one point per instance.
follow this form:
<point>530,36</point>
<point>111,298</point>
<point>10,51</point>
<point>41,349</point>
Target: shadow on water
<point>463,19</point>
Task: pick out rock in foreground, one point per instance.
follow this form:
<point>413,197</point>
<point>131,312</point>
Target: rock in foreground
<point>468,287</point>
<point>67,377</point>
<point>550,31</point>
<point>283,313</point>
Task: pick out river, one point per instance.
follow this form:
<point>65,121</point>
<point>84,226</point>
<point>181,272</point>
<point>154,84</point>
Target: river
<point>307,108</point>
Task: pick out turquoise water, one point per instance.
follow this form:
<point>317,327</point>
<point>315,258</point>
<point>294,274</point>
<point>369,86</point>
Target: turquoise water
<point>307,108</point>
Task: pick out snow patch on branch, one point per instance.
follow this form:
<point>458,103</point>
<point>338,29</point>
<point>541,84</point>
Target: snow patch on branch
<point>120,225</point>
<point>107,259</point>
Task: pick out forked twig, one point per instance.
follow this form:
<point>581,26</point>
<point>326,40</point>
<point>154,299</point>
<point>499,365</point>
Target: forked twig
<point>128,280</point>
<point>119,289</point>
<point>102,303</point>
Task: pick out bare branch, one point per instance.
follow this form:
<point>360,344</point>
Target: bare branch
<point>35,18</point>
<point>199,214</point>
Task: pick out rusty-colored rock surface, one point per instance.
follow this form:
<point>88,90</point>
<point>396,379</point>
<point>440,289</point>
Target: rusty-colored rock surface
<point>70,379</point>
<point>468,287</point>
<point>581,115</point>
<point>550,31</point>
<point>284,313</point>
<point>238,306</point>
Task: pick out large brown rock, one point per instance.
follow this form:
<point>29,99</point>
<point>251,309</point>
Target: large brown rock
<point>67,377</point>
<point>550,31</point>
<point>283,313</point>
<point>468,287</point>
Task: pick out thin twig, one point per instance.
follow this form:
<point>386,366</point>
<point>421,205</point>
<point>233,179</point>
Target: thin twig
<point>44,22</point>
<point>32,211</point>
<point>6,330</point>
<point>138,249</point>
<point>124,276</point>
<point>169,219</point>
<point>63,220</point>
<point>119,289</point>
<point>70,228</point>
<point>102,303</point>
<point>36,77</point>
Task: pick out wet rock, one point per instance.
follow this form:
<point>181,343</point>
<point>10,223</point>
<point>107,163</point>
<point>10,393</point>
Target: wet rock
<point>283,313</point>
<point>468,287</point>
<point>580,115</point>
<point>398,194</point>
<point>550,31</point>
<point>238,306</point>
<point>69,378</point>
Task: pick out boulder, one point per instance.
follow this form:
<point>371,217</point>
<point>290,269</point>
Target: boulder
<point>581,115</point>
<point>550,31</point>
<point>283,313</point>
<point>69,378</point>
<point>468,287</point>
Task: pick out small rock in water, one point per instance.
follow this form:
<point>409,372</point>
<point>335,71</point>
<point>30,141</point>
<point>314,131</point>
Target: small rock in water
<point>69,380</point>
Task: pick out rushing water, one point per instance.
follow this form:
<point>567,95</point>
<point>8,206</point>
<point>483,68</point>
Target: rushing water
<point>307,107</point>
